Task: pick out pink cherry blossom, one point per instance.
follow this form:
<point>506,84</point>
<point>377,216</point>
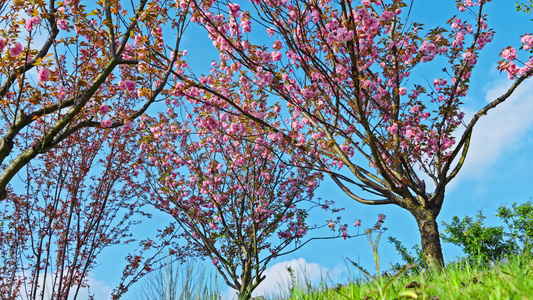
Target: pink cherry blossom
<point>234,9</point>
<point>393,129</point>
<point>387,15</point>
<point>403,91</point>
<point>509,53</point>
<point>127,85</point>
<point>276,56</point>
<point>15,50</point>
<point>340,164</point>
<point>2,44</point>
<point>104,108</point>
<point>246,26</point>
<point>270,31</point>
<point>31,22</point>
<point>127,125</point>
<point>470,57</point>
<point>62,93</point>
<point>527,41</point>
<point>106,123</point>
<point>409,133</point>
<point>446,143</point>
<point>44,74</point>
<point>62,24</point>
<point>511,69</point>
<point>381,217</point>
<point>211,224</point>
<point>457,23</point>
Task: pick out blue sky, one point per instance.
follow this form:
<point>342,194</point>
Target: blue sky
<point>498,169</point>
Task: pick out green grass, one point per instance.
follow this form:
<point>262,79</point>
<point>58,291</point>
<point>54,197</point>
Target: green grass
<point>509,279</point>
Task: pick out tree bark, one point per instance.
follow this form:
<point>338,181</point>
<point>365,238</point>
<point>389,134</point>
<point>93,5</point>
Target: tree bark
<point>245,292</point>
<point>426,219</point>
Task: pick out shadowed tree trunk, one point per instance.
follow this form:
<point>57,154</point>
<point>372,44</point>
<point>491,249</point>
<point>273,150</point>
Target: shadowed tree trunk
<point>429,234</point>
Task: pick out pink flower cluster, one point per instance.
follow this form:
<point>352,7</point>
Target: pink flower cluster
<point>509,53</point>
<point>341,35</point>
<point>62,93</point>
<point>393,129</point>
<point>470,57</point>
<point>31,22</point>
<point>234,9</point>
<point>127,85</point>
<point>527,41</point>
<point>438,83</point>
<point>104,109</point>
<point>246,25</point>
<point>44,74</point>
<point>106,123</point>
<point>15,50</point>
<point>429,50</point>
<point>381,220</point>
<point>62,24</point>
<point>466,3</point>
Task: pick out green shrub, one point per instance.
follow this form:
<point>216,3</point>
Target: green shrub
<point>519,220</point>
<point>481,243</point>
<point>484,243</point>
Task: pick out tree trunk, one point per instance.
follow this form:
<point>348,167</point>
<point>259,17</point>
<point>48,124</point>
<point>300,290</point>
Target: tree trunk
<point>246,288</point>
<point>429,234</point>
<point>245,293</point>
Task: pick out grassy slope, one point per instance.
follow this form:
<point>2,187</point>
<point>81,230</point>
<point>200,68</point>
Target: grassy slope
<point>512,279</point>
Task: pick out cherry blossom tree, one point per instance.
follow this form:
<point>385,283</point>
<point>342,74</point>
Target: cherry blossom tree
<point>342,77</point>
<point>69,65</point>
<point>74,77</point>
<point>239,200</point>
<point>62,216</point>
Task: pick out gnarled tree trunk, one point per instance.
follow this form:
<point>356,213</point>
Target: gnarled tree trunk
<point>429,234</point>
<point>426,218</point>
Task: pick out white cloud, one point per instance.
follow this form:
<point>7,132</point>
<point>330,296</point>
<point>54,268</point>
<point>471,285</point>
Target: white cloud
<point>278,279</point>
<point>98,288</point>
<point>501,130</point>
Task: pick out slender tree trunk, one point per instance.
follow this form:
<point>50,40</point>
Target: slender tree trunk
<point>244,295</point>
<point>245,292</point>
<point>426,219</point>
<point>248,281</point>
